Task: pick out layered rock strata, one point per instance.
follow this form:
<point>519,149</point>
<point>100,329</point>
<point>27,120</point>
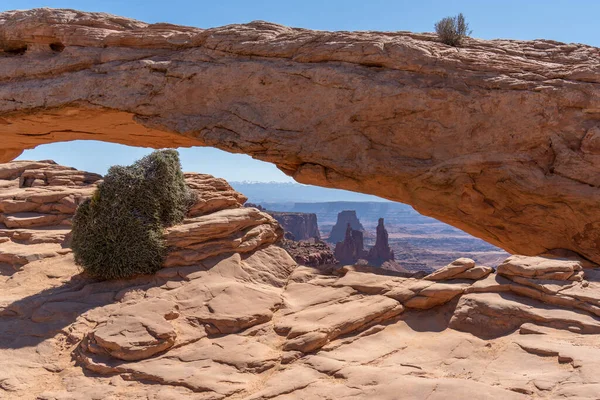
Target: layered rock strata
<point>239,230</point>
<point>463,268</point>
<point>39,198</point>
<point>499,138</point>
<point>37,202</point>
<point>239,318</point>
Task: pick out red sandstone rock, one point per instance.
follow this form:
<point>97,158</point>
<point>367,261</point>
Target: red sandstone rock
<point>241,318</point>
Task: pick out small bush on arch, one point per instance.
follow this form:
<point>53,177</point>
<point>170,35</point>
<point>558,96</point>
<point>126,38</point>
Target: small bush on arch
<point>452,30</point>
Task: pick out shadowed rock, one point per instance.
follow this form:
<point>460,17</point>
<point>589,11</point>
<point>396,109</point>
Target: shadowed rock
<point>312,252</point>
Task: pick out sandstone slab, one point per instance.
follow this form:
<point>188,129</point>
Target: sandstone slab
<point>540,268</point>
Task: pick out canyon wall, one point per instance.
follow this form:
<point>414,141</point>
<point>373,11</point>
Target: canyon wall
<point>499,138</point>
<point>301,226</point>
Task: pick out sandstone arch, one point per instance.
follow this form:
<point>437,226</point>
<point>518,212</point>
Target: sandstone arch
<point>499,138</point>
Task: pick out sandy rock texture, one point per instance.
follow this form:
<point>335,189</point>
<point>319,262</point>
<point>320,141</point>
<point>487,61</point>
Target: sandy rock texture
<point>499,138</point>
<point>233,316</point>
<point>37,202</point>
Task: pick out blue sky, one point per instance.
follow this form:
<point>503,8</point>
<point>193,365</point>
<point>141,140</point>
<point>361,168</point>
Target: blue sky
<point>562,20</point>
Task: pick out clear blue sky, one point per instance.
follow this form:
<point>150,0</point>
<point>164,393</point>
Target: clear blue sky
<point>562,20</point>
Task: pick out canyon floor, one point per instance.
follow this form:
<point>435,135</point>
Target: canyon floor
<point>233,316</point>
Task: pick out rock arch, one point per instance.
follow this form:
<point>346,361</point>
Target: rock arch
<point>499,138</point>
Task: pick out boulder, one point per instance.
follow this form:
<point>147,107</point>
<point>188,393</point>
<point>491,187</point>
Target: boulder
<point>239,230</point>
<point>541,268</point>
<point>463,268</point>
<point>212,194</point>
<point>489,315</point>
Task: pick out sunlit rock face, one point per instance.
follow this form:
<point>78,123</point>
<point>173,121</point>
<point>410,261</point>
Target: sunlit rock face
<point>499,138</point>
<point>38,200</point>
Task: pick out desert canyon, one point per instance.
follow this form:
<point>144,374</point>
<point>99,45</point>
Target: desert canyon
<point>499,138</point>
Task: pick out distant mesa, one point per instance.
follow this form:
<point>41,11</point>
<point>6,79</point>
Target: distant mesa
<point>339,230</point>
<point>258,206</point>
<point>302,239</point>
<point>297,226</point>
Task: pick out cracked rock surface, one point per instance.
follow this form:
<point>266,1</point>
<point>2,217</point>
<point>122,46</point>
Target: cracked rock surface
<point>500,138</point>
<point>240,319</point>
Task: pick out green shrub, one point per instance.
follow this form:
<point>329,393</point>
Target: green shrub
<point>451,30</point>
<point>118,233</point>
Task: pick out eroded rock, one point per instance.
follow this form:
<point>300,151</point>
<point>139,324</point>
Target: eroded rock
<point>541,268</point>
<point>238,230</point>
<point>240,318</point>
<point>351,248</point>
<point>463,268</point>
<point>344,218</point>
<point>311,252</point>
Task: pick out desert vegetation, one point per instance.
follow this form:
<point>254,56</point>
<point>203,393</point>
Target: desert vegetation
<point>452,30</point>
<point>118,233</point>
